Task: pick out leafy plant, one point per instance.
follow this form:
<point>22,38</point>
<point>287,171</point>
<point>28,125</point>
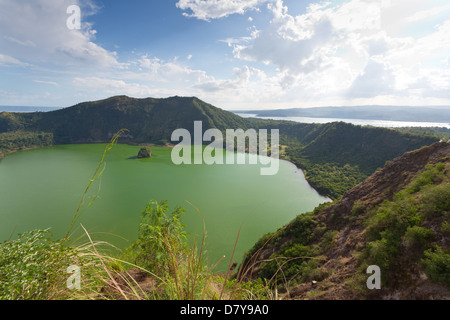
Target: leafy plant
<point>35,267</point>
<point>437,264</point>
<point>417,237</point>
<point>398,225</point>
<point>20,140</point>
<point>159,232</point>
<point>31,265</point>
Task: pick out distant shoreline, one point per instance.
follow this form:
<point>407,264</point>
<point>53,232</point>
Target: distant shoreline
<point>27,109</point>
<point>361,122</point>
<point>3,155</point>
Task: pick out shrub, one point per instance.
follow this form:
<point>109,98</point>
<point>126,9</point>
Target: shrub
<point>417,237</point>
<point>328,240</point>
<point>437,265</point>
<point>301,228</point>
<point>33,267</point>
<point>382,253</point>
<point>431,175</point>
<point>435,200</point>
<point>358,208</point>
<point>162,249</point>
<point>395,216</point>
<point>158,234</point>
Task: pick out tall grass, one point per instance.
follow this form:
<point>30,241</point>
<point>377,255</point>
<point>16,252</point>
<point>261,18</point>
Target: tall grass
<point>97,174</point>
<point>35,267</point>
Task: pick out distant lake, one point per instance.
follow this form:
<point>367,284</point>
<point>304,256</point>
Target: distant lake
<point>42,188</point>
<point>361,122</point>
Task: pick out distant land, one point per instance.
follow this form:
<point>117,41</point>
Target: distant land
<point>26,109</point>
<point>439,114</point>
<point>334,156</point>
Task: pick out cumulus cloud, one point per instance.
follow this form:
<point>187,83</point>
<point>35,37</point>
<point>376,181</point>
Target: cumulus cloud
<point>272,47</point>
<point>355,49</point>
<point>41,26</point>
<point>332,52</point>
<point>161,71</point>
<point>112,86</point>
<point>215,9</point>
<point>147,76</point>
<point>303,43</point>
<point>376,79</point>
<point>242,77</point>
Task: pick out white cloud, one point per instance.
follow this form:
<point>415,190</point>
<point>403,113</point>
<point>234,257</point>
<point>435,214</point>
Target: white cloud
<point>215,9</point>
<point>41,26</point>
<point>363,15</point>
<point>272,47</point>
<point>26,43</point>
<point>346,52</point>
<point>349,51</point>
<point>145,76</point>
<point>427,13</point>
<point>242,77</point>
<point>7,60</point>
<point>112,86</point>
<point>376,79</point>
<point>157,70</point>
<point>53,83</point>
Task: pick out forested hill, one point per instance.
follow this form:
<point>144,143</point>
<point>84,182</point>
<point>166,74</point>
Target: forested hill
<point>148,120</point>
<point>335,156</point>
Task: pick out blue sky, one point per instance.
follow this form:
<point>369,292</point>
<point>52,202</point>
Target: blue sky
<point>234,54</point>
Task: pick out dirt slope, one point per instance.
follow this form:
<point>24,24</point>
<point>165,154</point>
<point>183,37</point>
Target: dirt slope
<point>347,218</point>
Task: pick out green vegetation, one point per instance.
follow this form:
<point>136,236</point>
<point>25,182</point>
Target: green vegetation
<point>20,140</point>
<point>30,265</point>
<point>401,231</point>
<point>179,269</point>
<point>404,224</point>
<point>331,179</point>
<point>402,234</point>
<point>437,264</point>
<point>297,259</point>
<point>438,132</point>
<point>148,120</point>
<point>35,267</point>
<point>336,156</point>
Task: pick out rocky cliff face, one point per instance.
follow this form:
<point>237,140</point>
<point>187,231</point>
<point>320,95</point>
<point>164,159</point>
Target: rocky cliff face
<point>340,270</point>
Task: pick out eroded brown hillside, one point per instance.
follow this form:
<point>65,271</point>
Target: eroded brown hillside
<point>333,246</point>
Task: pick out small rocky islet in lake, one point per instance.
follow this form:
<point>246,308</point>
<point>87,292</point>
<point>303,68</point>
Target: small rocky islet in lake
<point>144,153</point>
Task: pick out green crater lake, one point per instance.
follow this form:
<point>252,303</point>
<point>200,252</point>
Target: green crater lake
<point>42,189</point>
